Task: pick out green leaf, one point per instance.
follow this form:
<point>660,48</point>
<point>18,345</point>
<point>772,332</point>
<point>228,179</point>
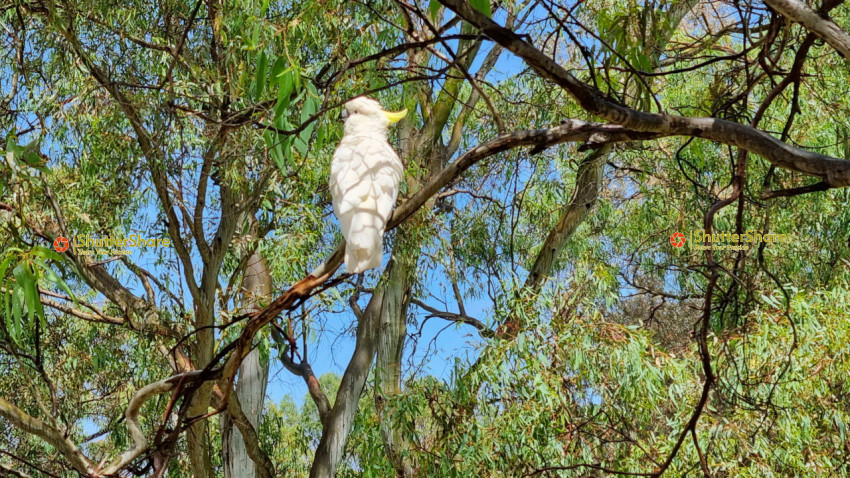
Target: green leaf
<point>260,81</point>
<point>284,91</point>
<point>282,123</point>
<point>312,89</point>
<point>27,282</point>
<point>287,148</point>
<point>243,79</point>
<point>279,158</point>
<point>255,36</point>
<point>12,143</point>
<point>5,265</point>
<point>53,277</point>
<point>275,143</point>
<point>277,70</point>
<point>482,6</point>
<point>46,253</point>
<point>311,105</point>
<point>433,9</point>
<point>7,306</point>
<point>300,145</point>
<point>13,323</point>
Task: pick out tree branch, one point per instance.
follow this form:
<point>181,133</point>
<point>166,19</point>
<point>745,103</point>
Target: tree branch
<point>51,435</point>
<point>834,171</point>
<point>462,318</point>
<point>131,415</point>
<point>305,371</point>
<point>820,25</point>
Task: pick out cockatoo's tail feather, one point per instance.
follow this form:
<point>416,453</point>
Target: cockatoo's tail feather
<point>365,174</point>
<point>359,259</point>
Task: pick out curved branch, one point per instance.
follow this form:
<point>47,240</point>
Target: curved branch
<point>305,371</point>
<point>140,443</point>
<point>48,433</point>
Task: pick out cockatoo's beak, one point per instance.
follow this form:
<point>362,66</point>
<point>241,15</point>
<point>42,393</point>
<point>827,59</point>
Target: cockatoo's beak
<point>395,116</point>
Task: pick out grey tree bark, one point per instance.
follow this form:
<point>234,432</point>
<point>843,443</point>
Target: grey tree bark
<point>253,377</point>
<point>819,24</point>
<point>338,423</point>
<point>391,336</point>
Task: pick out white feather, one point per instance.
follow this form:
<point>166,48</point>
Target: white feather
<point>365,174</point>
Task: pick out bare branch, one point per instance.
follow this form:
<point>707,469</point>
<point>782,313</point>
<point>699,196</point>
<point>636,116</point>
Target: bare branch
<point>820,25</point>
<point>305,371</point>
<point>819,186</point>
<point>48,433</point>
<point>462,318</point>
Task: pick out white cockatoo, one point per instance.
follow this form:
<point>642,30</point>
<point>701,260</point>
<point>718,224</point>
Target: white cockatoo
<point>365,173</point>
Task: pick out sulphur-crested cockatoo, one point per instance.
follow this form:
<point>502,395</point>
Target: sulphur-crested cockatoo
<point>365,173</point>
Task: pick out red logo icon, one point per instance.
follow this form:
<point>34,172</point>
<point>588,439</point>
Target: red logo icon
<point>677,239</point>
<point>61,244</point>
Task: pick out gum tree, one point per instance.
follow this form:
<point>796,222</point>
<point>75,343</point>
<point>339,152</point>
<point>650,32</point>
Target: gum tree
<point>550,152</point>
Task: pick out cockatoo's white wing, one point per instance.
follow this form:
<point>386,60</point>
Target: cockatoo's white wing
<point>365,174</point>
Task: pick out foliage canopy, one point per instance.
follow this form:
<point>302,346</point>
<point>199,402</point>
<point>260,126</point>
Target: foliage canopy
<point>551,151</point>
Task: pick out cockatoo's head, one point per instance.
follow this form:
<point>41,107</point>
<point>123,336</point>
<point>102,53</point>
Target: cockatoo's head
<point>364,115</point>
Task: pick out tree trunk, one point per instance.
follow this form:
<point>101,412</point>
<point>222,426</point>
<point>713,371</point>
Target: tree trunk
<point>391,338</point>
<point>588,181</point>
<point>197,437</point>
<point>253,377</point>
<point>341,417</point>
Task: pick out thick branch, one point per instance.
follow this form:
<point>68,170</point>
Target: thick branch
<point>584,197</point>
<point>131,415</point>
<point>105,319</point>
<point>54,437</point>
<point>822,26</point>
<point>568,131</point>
